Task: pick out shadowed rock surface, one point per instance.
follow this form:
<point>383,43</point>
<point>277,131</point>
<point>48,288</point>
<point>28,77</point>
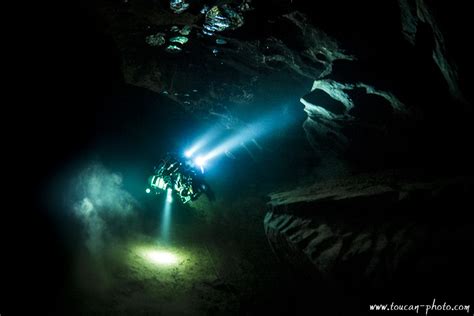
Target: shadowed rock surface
<point>374,232</point>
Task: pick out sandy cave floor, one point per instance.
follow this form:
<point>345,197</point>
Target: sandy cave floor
<point>205,275</point>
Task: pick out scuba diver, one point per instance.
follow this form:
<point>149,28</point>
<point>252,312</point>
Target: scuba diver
<point>174,174</point>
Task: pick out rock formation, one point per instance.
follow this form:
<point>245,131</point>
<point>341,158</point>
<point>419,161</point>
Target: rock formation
<point>372,84</point>
<point>374,232</point>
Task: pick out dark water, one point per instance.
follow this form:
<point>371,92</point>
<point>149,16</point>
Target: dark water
<point>91,115</point>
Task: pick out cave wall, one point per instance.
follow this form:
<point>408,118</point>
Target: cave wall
<point>376,79</point>
<point>381,234</point>
<point>401,100</point>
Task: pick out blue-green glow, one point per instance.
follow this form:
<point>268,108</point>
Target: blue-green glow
<point>166,219</point>
<point>249,133</point>
<point>179,39</point>
<point>173,48</point>
<point>202,141</point>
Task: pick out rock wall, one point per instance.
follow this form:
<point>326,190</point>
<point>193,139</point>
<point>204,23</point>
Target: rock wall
<point>408,77</point>
<point>369,233</point>
<point>376,79</point>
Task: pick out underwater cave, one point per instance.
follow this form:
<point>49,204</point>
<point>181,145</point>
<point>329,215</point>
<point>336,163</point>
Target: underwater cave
<point>244,157</point>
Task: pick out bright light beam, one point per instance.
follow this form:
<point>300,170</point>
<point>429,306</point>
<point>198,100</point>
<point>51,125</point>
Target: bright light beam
<point>203,141</point>
<point>166,219</point>
<point>161,257</point>
<point>264,126</point>
<point>200,161</point>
